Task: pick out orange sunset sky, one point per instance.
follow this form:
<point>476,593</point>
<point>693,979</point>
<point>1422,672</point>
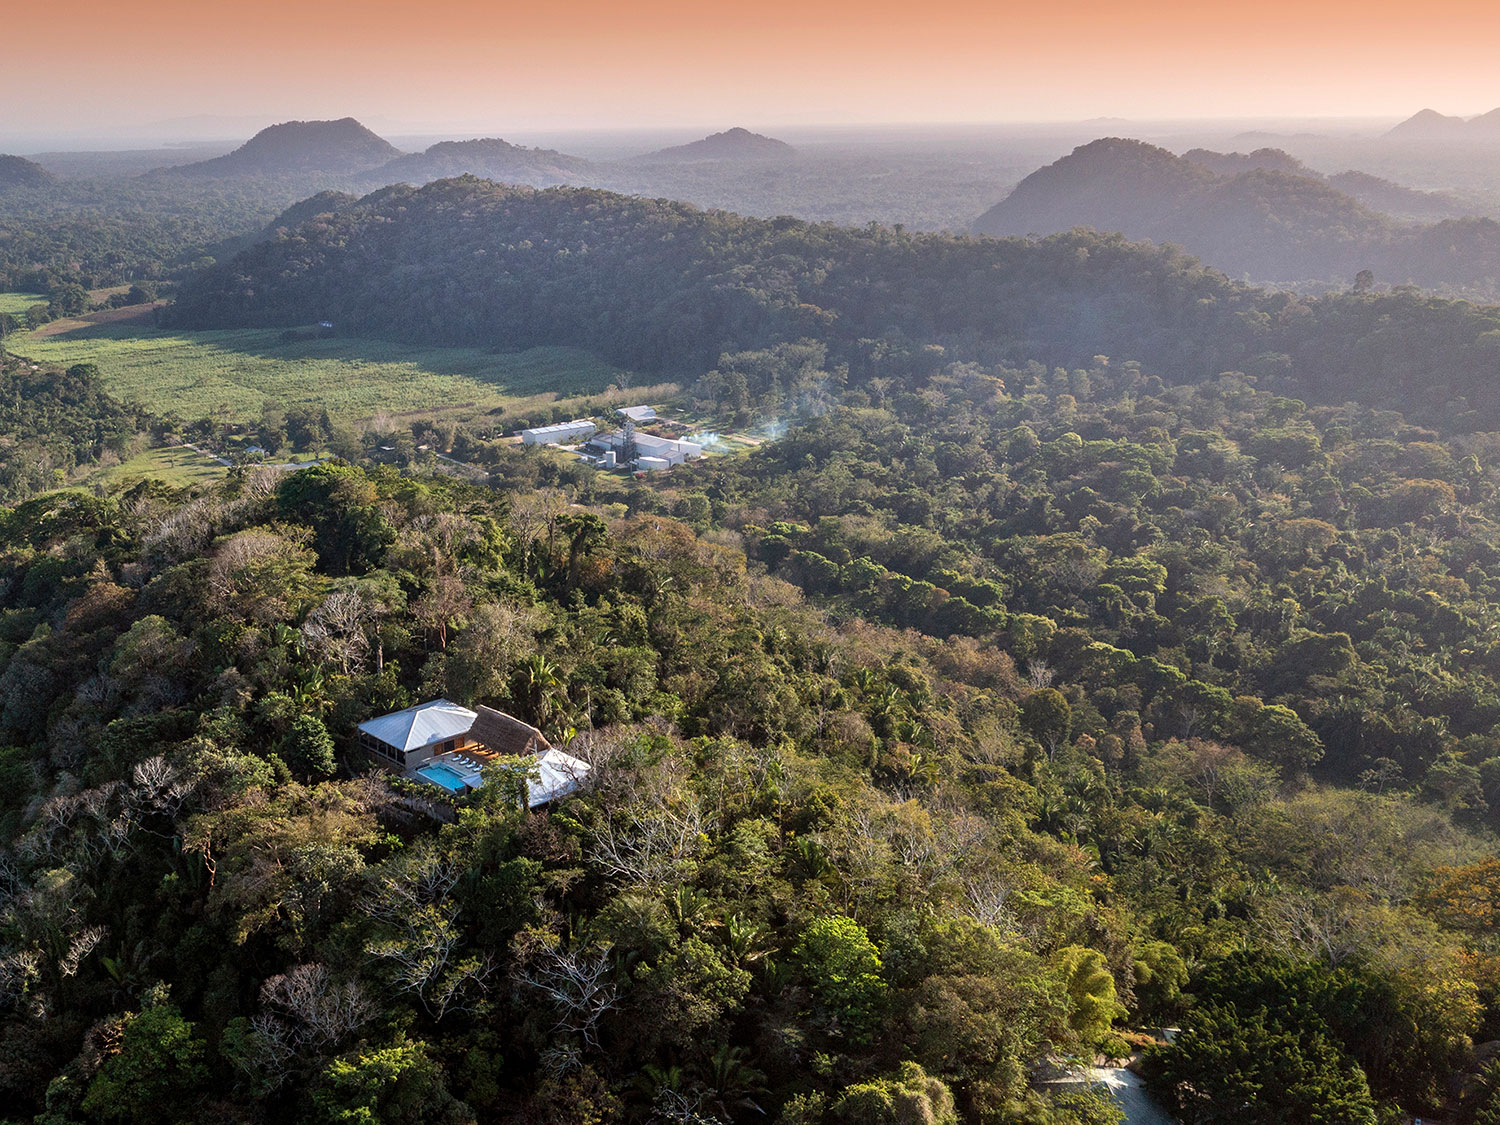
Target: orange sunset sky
<point>468,64</point>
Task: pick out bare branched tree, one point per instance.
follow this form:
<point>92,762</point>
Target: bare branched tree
<point>158,788</point>
<point>266,1056</point>
<point>425,958</point>
<point>577,983</point>
<point>82,827</point>
<point>1328,927</point>
<point>20,969</point>
<point>83,943</point>
<point>12,880</point>
<point>412,879</point>
<point>182,534</point>
<point>600,749</point>
<point>318,1012</point>
<point>337,632</point>
<point>1038,673</point>
<point>987,901</point>
<point>646,842</point>
<point>422,945</point>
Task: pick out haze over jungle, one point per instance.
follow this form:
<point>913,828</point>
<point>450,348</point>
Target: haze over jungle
<point>806,564</point>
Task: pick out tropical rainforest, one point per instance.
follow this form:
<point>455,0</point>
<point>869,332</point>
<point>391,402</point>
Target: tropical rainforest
<point>1102,646</point>
<point>664,286</point>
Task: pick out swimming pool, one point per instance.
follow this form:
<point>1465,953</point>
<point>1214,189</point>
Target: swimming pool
<point>449,779</point>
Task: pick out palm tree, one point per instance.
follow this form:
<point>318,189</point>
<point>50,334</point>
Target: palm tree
<point>542,691</point>
<point>731,1082</point>
<point>745,939</point>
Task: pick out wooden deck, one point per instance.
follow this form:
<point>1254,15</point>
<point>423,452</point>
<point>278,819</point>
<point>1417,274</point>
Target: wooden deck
<point>475,753</point>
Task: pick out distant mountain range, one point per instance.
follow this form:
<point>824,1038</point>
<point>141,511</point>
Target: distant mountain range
<point>16,172</point>
<point>732,144</point>
<point>489,158</point>
<point>1263,215</point>
<point>346,148</point>
<point>340,147</point>
<point>1372,191</point>
<point>1430,125</point>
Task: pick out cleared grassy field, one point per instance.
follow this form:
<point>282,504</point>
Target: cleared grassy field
<point>230,375</point>
<point>17,303</point>
<point>178,467</point>
<point>731,443</point>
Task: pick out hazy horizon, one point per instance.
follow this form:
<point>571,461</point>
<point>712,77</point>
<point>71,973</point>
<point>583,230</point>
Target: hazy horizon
<point>469,69</point>
<point>224,133</point>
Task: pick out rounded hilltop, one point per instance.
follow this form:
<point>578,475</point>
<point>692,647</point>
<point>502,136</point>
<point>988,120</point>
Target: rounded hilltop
<point>732,144</point>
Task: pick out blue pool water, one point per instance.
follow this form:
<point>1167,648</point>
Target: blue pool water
<point>442,775</point>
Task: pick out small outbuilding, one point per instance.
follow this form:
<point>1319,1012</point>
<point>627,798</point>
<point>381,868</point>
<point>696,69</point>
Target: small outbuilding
<point>557,775</point>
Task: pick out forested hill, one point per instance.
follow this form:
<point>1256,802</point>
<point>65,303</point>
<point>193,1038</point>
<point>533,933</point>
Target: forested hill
<point>1380,194</point>
<point>1233,163</point>
<point>1200,200</point>
<point>987,716</point>
<point>732,144</point>
<point>18,172</point>
<point>1395,199</point>
<point>662,286</point>
<point>1274,221</point>
<point>1430,125</point>
<point>300,146</point>
<point>325,202</point>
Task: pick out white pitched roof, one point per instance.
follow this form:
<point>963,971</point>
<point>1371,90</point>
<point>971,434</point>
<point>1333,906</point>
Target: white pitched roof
<point>558,774</point>
<point>666,445</point>
<point>421,725</point>
<point>562,427</point>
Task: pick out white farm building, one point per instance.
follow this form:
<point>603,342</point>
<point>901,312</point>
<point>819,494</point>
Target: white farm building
<point>577,430</point>
<point>670,450</point>
<point>651,452</point>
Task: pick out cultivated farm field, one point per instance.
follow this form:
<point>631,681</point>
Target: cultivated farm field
<point>17,303</point>
<point>230,376</point>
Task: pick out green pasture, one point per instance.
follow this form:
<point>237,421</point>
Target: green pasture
<point>178,467</point>
<point>17,303</point>
<point>230,375</point>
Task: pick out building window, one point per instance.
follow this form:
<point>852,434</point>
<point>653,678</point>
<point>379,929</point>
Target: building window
<point>374,745</point>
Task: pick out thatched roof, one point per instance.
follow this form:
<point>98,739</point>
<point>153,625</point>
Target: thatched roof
<point>506,734</point>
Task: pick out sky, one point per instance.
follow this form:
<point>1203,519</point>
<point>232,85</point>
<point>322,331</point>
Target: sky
<point>496,65</point>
